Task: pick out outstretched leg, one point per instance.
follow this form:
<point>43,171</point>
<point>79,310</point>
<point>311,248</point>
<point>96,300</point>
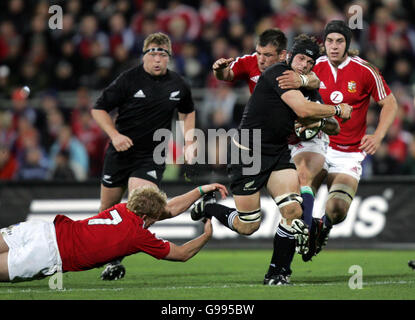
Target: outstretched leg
<point>245,219</point>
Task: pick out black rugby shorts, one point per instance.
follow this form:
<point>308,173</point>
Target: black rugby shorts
<point>119,167</point>
<point>242,184</point>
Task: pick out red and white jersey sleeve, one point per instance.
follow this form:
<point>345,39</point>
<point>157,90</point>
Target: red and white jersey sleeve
<point>112,234</point>
<point>246,68</point>
<point>354,82</point>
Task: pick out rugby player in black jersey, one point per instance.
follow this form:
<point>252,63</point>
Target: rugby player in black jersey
<point>146,98</point>
<point>274,111</point>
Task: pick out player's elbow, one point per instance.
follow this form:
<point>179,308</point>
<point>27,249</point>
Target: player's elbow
<point>178,253</point>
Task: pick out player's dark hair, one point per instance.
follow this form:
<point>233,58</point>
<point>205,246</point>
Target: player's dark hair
<point>307,45</point>
<point>274,37</point>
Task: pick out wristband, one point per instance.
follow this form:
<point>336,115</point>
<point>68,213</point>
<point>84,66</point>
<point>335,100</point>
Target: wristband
<point>304,80</point>
<point>201,191</point>
<point>337,110</point>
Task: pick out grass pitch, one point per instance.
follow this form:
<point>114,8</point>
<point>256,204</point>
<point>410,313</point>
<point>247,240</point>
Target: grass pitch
<point>235,275</point>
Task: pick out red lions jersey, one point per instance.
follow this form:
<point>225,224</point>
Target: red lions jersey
<point>354,82</point>
<point>112,234</point>
<point>246,68</point>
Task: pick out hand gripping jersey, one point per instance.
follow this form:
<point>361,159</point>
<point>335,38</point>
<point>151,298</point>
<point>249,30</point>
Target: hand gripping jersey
<point>354,82</point>
<point>112,234</point>
<point>246,68</point>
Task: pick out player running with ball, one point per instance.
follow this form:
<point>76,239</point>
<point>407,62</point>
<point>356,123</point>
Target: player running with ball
<point>273,110</point>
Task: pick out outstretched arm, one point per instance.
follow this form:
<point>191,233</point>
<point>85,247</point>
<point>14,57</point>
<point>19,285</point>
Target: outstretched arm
<point>190,248</point>
<point>181,203</point>
<point>222,70</point>
<point>309,109</point>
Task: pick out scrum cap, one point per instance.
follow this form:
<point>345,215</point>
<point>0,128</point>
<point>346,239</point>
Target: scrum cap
<point>339,26</point>
<point>305,45</point>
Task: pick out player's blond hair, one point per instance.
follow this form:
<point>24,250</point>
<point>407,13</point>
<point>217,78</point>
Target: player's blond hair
<point>159,39</point>
<point>148,200</point>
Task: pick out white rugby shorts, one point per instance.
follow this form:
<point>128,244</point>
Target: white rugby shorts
<point>349,163</point>
<point>33,250</point>
<point>318,145</point>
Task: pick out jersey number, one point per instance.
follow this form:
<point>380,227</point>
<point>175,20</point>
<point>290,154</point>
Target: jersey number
<point>116,219</point>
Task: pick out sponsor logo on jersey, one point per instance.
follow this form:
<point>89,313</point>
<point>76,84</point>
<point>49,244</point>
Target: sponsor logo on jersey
<point>255,79</point>
<point>139,94</point>
<point>322,85</point>
<point>152,173</point>
<point>174,96</point>
<point>336,97</point>
<point>351,86</point>
<point>248,186</point>
<point>107,178</point>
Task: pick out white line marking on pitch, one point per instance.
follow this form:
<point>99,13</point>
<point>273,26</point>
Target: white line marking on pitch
<point>230,286</point>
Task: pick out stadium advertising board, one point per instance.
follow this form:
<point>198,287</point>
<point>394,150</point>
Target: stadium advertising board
<point>381,213</point>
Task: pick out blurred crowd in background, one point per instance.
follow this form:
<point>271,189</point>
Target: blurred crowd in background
<point>57,140</point>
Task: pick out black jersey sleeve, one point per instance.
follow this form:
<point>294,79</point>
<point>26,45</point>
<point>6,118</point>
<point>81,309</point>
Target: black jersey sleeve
<point>271,75</point>
<point>317,96</point>
<point>186,104</point>
<point>112,96</point>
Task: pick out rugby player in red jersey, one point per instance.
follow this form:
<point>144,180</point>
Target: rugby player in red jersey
<point>346,78</point>
<point>271,48</point>
<point>36,249</point>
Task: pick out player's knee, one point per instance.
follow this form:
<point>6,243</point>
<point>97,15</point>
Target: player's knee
<point>291,212</point>
<point>338,202</point>
<point>336,216</point>
<point>248,222</point>
<point>305,178</point>
<point>336,209</point>
<point>247,229</point>
<point>289,205</point>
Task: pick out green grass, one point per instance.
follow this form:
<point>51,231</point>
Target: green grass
<point>236,275</point>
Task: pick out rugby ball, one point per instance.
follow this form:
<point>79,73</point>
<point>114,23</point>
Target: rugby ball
<point>307,134</point>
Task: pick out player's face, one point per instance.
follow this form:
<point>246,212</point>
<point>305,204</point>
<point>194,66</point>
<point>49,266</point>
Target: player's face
<point>267,56</point>
<point>155,63</point>
<point>302,63</point>
<point>335,45</point>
